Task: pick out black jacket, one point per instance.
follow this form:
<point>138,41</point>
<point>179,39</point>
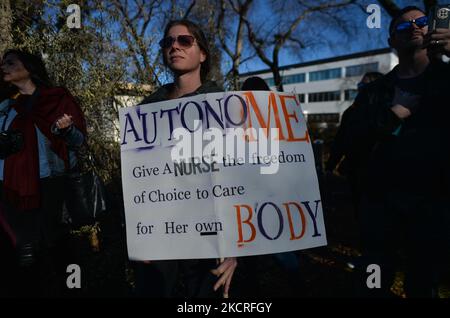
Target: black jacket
<point>417,159</point>
<point>162,93</point>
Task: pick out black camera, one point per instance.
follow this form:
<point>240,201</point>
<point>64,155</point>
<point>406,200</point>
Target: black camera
<point>11,141</point>
<point>439,17</point>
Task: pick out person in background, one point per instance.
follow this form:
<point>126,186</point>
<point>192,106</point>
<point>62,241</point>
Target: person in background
<point>405,205</point>
<point>351,161</point>
<point>288,260</point>
<point>47,125</point>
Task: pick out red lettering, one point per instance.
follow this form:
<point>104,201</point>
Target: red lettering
<point>263,123</point>
<point>291,223</point>
<point>287,118</point>
<point>247,221</point>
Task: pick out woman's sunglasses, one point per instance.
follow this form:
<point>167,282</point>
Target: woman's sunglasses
<point>185,41</point>
<point>420,22</point>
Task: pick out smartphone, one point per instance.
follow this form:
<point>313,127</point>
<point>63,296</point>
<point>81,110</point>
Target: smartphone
<point>439,17</point>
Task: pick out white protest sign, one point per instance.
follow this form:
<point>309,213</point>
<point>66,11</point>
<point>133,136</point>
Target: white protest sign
<point>249,189</point>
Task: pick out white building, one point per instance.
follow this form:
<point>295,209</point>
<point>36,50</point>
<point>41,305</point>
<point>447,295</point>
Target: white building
<point>327,87</point>
<point>127,95</point>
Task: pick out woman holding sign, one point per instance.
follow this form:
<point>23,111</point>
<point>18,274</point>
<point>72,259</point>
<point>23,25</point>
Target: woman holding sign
<point>185,52</point>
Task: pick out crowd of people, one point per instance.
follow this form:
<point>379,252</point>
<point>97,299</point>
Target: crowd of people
<point>394,140</point>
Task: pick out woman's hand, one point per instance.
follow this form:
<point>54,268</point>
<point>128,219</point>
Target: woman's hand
<point>64,122</point>
<point>225,273</point>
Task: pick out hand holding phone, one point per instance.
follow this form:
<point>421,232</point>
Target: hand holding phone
<point>438,37</point>
<point>439,18</point>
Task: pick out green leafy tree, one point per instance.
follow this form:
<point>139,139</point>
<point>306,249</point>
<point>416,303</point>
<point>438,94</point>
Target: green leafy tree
<point>84,60</point>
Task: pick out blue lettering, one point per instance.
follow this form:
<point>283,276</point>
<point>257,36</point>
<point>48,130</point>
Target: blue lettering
<point>313,215</point>
<point>132,129</point>
<point>260,223</point>
<point>244,110</point>
<point>144,126</point>
<point>200,115</point>
<point>208,110</point>
<point>169,114</point>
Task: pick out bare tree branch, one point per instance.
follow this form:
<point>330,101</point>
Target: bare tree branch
<point>280,38</point>
<point>189,9</point>
<point>299,42</point>
<point>240,9</point>
<point>390,7</point>
<point>135,38</point>
<point>251,56</point>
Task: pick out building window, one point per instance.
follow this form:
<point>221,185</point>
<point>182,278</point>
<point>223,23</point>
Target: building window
<point>270,81</point>
<point>295,78</point>
<point>324,96</point>
<point>323,118</point>
<point>325,74</point>
<point>359,70</point>
<point>289,79</point>
<point>301,98</point>
<point>350,94</point>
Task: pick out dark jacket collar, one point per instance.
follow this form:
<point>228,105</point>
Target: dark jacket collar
<point>434,67</point>
<point>163,92</point>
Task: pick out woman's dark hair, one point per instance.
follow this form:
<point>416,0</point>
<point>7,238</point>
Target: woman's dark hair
<point>5,90</point>
<point>199,36</point>
<point>34,65</point>
<point>255,83</point>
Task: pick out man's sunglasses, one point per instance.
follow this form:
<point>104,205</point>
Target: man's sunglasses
<point>185,41</point>
<point>420,22</point>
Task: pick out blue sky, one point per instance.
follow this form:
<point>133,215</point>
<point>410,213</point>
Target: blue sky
<point>335,42</point>
<point>325,40</point>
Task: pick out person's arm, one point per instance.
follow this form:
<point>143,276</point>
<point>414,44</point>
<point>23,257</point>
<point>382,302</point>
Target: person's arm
<point>338,147</point>
<point>377,120</point>
<point>359,126</point>
<point>65,128</point>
